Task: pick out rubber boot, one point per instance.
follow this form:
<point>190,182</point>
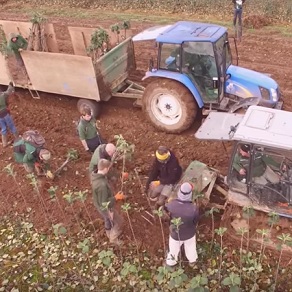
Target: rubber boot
<point>4,141</point>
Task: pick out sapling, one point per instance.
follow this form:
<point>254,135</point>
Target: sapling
<point>177,222</point>
<point>10,171</point>
<point>81,195</point>
<point>264,233</point>
<point>211,212</point>
<point>160,214</point>
<point>70,198</point>
<point>241,231</point>
<point>126,207</point>
<point>220,231</point>
<point>273,219</point>
<point>99,38</point>
<point>285,238</point>
<point>248,212</point>
<point>116,29</point>
<point>125,25</point>
<point>34,182</point>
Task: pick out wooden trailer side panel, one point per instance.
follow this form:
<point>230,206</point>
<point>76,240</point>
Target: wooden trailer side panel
<point>62,74</point>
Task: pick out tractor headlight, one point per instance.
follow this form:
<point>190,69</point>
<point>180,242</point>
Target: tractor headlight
<point>265,93</point>
<point>274,94</point>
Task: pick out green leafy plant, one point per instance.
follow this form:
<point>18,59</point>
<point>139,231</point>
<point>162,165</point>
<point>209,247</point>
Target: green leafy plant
<point>285,239</point>
<point>99,44</point>
<point>125,25</point>
<point>116,29</point>
<point>220,231</point>
<point>197,284</point>
<point>248,212</point>
<point>10,171</point>
<point>125,208</point>
<point>211,213</point>
<point>176,223</point>
<point>160,214</point>
<point>241,232</point>
<point>233,281</point>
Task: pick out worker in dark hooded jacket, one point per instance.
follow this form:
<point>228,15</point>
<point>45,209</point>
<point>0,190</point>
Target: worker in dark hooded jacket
<point>165,173</point>
<point>104,201</point>
<point>184,234</point>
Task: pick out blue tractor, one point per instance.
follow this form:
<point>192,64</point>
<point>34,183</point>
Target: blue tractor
<point>194,72</point>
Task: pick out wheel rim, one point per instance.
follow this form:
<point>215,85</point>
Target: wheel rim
<point>166,108</point>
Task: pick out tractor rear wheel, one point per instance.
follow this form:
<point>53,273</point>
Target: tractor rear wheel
<point>169,105</point>
<point>94,106</point>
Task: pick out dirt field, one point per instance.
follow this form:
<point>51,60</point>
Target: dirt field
<point>263,50</point>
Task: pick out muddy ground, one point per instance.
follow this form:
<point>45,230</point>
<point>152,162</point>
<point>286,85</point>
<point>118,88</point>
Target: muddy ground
<point>263,50</point>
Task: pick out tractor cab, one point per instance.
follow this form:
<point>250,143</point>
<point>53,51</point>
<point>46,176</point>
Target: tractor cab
<point>200,52</point>
<point>260,167</point>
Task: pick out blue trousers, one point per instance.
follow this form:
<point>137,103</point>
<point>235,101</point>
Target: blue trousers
<point>7,122</point>
<point>237,15</point>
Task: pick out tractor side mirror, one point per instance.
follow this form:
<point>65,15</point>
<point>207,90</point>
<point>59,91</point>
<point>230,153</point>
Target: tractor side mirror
<point>215,83</point>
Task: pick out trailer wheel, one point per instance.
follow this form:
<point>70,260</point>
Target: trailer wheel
<point>94,106</point>
<point>169,105</point>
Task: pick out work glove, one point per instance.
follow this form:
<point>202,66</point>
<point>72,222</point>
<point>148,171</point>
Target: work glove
<point>120,196</point>
<point>49,174</point>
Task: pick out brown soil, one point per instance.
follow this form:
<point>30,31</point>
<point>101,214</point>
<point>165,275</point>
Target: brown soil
<point>54,116</point>
<point>256,21</point>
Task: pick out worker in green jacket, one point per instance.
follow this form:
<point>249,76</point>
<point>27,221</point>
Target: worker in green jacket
<point>16,44</point>
<point>32,158</point>
<point>87,131</point>
<point>262,173</point>
<point>104,200</point>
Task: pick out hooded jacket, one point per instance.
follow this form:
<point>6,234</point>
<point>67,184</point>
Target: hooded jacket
<point>189,214</point>
<point>168,173</point>
<point>20,43</point>
<point>101,191</point>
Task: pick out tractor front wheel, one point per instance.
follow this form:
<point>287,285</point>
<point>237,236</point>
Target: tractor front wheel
<point>169,105</point>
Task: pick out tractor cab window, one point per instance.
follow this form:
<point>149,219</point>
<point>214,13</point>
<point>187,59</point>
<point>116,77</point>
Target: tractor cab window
<point>170,57</point>
<point>198,62</point>
<point>270,177</point>
<point>223,54</point>
<point>240,168</point>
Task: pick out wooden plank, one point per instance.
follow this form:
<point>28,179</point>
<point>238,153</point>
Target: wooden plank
<point>62,74</point>
<point>5,77</point>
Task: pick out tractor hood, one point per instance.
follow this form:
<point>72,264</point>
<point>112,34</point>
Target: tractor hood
<point>246,83</point>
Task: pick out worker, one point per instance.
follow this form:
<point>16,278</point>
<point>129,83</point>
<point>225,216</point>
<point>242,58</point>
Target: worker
<point>237,15</point>
<point>184,232</point>
<point>16,44</point>
<point>261,171</point>
<point>33,158</point>
<point>103,151</point>
<point>6,121</point>
<point>87,131</point>
<point>104,201</point>
<point>167,171</point>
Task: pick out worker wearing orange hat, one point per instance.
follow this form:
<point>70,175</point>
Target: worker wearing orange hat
<point>165,173</point>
